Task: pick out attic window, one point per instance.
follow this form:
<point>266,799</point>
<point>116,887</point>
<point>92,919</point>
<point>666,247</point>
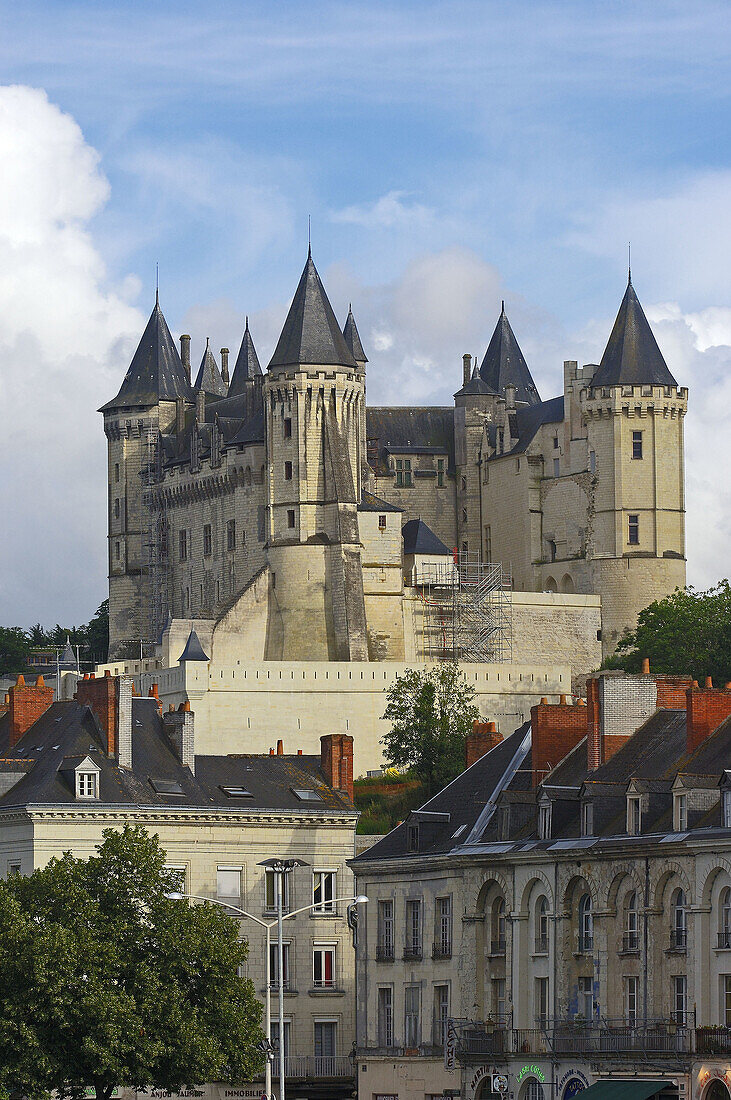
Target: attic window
<point>544,821</point>
<point>727,809</point>
<point>166,786</point>
<point>412,838</point>
<point>634,816</point>
<point>306,796</point>
<point>458,832</point>
<point>236,792</point>
<point>86,785</point>
<point>680,813</point>
<point>587,818</point>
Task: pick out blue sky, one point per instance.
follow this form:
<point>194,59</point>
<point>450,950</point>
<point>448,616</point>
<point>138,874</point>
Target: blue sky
<point>449,154</point>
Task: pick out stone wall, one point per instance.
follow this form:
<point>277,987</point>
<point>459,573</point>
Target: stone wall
<point>560,627</point>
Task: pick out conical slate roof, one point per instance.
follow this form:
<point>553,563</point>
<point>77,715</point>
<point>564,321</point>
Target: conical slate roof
<point>247,364</point>
<point>352,338</point>
<point>632,356</point>
<point>156,371</point>
<point>504,364</point>
<point>420,539</point>
<point>193,649</point>
<point>67,660</point>
<point>475,385</point>
<point>209,377</point>
<point>311,334</point>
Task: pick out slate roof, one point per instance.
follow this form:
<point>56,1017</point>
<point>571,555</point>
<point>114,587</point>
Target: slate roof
<point>529,419</point>
<point>67,660</point>
<point>407,430</point>
<point>632,356</point>
<point>476,385</point>
<point>247,364</point>
<point>193,649</point>
<point>311,333</point>
<point>505,364</point>
<point>68,732</point>
<point>156,371</point>
<point>209,378</point>
<point>420,539</point>
<point>251,431</point>
<point>369,502</point>
<point>352,338</point>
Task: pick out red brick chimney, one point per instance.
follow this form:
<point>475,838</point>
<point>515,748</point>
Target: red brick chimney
<point>26,704</point>
<point>336,760</point>
<point>110,697</point>
<point>556,728</point>
<point>484,737</point>
<point>706,708</point>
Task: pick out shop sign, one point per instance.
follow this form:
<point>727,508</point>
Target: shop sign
<point>531,1071</point>
<point>572,1083</point>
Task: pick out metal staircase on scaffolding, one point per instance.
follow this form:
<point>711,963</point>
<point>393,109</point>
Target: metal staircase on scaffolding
<point>467,611</point>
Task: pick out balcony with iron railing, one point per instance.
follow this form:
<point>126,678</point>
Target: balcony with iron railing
<point>442,949</point>
<point>630,943</point>
<point>480,1039</point>
<point>412,952</point>
<point>724,939</point>
<point>713,1042</point>
<point>678,939</point>
<point>384,952</point>
<point>613,1039</point>
<point>309,1067</point>
<point>585,943</point>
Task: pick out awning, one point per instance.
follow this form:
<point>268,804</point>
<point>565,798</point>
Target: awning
<point>623,1090</point>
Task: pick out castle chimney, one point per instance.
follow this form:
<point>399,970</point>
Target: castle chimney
<point>179,415</point>
<point>185,354</point>
<point>336,761</point>
<point>484,736</point>
<point>26,704</point>
<point>510,395</point>
<point>200,407</point>
<point>224,365</point>
<point>466,369</point>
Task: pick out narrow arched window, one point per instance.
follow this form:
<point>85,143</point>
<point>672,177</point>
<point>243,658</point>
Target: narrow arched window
<point>724,915</point>
<point>542,925</point>
<point>631,932</point>
<point>586,924</point>
<point>679,931</point>
<point>498,926</point>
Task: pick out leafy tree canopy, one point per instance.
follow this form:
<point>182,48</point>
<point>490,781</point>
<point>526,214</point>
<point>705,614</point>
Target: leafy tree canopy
<point>106,982</point>
<point>687,633</point>
<point>431,712</point>
<point>93,638</point>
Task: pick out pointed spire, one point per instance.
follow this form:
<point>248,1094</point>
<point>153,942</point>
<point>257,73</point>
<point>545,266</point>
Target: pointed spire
<point>247,364</point>
<point>67,660</point>
<point>632,356</point>
<point>156,372</point>
<point>209,377</point>
<point>504,364</point>
<point>352,338</point>
<point>311,334</point>
<point>193,649</point>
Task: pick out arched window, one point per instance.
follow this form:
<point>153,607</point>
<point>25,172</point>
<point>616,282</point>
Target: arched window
<point>724,918</point>
<point>542,925</point>
<point>498,927</point>
<point>630,940</point>
<point>586,924</point>
<point>679,931</point>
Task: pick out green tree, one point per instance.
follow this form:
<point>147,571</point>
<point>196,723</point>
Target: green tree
<point>97,634</point>
<point>431,712</point>
<point>687,633</point>
<point>106,982</point>
<point>14,649</point>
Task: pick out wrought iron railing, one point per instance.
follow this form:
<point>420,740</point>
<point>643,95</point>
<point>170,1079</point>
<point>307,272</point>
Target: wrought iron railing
<point>384,952</point>
<point>678,939</point>
<point>310,1066</point>
<point>442,949</point>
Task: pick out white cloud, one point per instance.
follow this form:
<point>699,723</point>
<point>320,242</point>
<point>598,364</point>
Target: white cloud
<point>388,212</point>
<point>65,341</point>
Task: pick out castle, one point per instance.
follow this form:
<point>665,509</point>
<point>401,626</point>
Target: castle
<point>284,520</point>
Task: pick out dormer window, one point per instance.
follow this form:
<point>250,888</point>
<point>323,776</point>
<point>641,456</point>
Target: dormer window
<point>412,838</point>
<point>86,785</point>
<point>587,818</point>
<point>544,821</point>
<point>634,815</point>
<point>726,809</point>
<point>680,812</point>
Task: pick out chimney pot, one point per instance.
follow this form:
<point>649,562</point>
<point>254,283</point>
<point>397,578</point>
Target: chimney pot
<point>562,701</point>
<point>20,682</point>
<point>544,701</point>
<point>466,368</point>
<point>280,747</point>
<point>271,752</point>
<point>728,686</point>
<point>171,707</point>
<point>299,752</point>
<point>107,672</point>
<point>224,365</point>
<point>185,354</point>
<point>645,666</point>
<point>40,682</point>
<point>709,682</point>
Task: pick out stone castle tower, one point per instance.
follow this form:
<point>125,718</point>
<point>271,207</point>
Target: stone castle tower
<point>272,510</point>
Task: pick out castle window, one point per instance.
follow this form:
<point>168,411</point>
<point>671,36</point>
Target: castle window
<point>290,517</point>
<point>403,472</point>
<point>464,484</point>
<point>116,471</point>
<point>287,427</point>
<point>207,540</point>
<point>116,509</point>
<point>633,535</point>
<point>517,465</point>
<point>412,838</point>
<point>464,515</point>
<point>637,444</point>
<point>183,545</point>
<point>552,549</point>
<point>231,535</point>
<point>555,442</point>
<point>556,467</point>
<point>381,523</point>
<point>440,473</point>
<point>592,462</point>
<point>287,471</point>
<point>488,544</point>
<point>116,550</point>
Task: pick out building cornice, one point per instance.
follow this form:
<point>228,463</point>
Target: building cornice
<point>263,818</point>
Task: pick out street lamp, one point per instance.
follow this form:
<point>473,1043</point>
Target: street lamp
<point>356,899</point>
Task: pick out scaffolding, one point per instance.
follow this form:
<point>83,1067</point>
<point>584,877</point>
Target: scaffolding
<point>153,595</point>
<point>467,611</point>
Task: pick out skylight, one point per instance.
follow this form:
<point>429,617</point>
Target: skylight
<point>166,786</point>
<point>236,792</point>
<point>307,796</point>
<point>458,832</point>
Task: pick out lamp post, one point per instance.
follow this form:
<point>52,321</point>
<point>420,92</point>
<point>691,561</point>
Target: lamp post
<point>355,899</point>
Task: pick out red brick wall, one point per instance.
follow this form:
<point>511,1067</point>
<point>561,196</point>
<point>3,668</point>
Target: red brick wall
<point>336,760</point>
<point>27,703</point>
<point>556,729</point>
<point>671,691</point>
<point>101,696</point>
<point>706,709</point>
<point>484,737</point>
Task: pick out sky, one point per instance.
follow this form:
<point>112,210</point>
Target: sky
<point>449,155</point>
